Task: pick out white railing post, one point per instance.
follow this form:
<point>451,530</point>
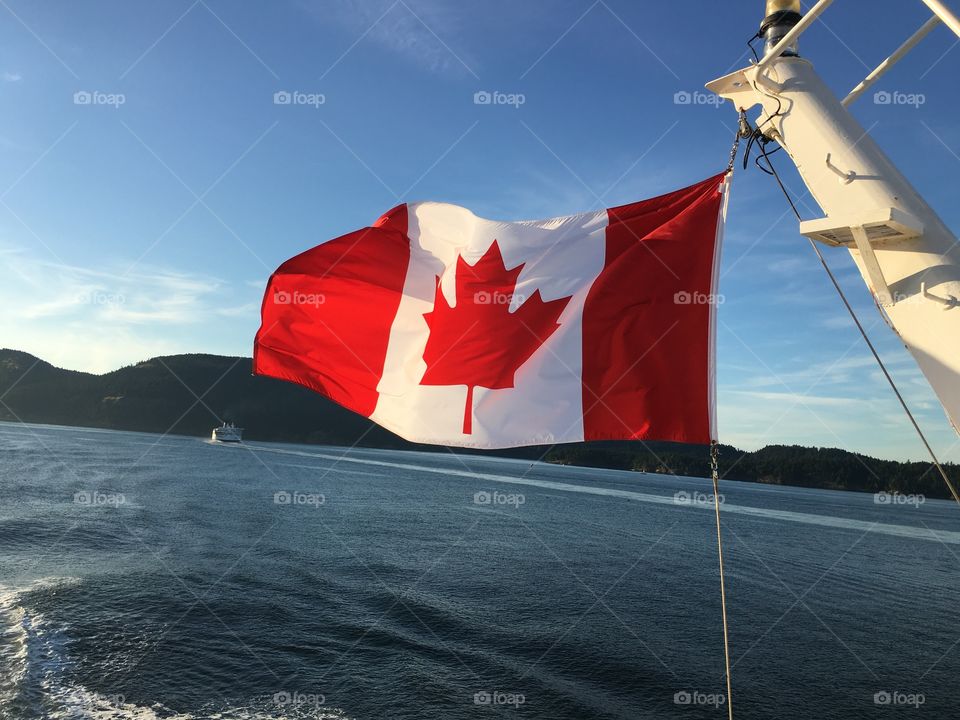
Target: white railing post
<point>945,14</point>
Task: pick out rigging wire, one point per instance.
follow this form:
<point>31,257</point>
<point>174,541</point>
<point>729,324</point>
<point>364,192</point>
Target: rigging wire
<point>715,476</point>
<point>761,143</point>
<point>743,131</point>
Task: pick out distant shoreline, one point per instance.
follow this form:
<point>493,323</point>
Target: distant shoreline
<point>431,450</point>
<point>188,395</point>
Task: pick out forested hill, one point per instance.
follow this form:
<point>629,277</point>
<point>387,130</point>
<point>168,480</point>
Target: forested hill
<point>188,394</point>
<point>183,394</point>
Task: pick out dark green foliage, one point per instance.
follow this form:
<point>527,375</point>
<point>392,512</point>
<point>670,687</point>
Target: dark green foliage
<point>160,395</point>
<point>828,468</point>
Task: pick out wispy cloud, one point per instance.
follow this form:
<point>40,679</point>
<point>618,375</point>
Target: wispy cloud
<point>785,398</point>
<point>98,319</point>
<point>422,31</point>
<point>12,77</point>
<point>840,321</point>
<point>845,372</point>
<point>68,292</point>
<point>789,265</point>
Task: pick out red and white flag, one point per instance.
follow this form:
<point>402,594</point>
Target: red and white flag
<point>451,329</point>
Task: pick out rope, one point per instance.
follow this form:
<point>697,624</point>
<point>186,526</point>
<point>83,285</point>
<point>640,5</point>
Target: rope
<point>886,374</point>
<point>863,333</point>
<point>715,475</point>
<point>743,131</point>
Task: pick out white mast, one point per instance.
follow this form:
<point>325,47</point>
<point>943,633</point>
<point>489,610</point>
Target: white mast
<point>908,257</point>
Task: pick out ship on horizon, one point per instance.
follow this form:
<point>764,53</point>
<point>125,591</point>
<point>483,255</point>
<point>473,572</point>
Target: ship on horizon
<point>227,432</point>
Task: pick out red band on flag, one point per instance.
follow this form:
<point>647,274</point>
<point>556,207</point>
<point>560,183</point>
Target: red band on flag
<point>327,313</point>
<point>646,321</point>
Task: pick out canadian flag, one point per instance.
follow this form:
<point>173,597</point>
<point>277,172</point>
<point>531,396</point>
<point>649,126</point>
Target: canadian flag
<point>451,329</point>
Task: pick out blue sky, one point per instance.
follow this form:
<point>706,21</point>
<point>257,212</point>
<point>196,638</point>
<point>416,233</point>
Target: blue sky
<point>147,220</point>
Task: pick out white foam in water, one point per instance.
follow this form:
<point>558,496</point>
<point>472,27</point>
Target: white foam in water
<point>26,650</point>
<point>13,646</point>
<point>31,653</point>
<point>77,702</point>
<point>915,533</point>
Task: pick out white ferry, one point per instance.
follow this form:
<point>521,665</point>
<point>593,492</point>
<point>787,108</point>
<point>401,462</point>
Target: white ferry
<point>228,432</point>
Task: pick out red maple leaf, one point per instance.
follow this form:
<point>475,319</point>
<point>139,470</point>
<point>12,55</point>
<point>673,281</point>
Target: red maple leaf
<point>478,342</point>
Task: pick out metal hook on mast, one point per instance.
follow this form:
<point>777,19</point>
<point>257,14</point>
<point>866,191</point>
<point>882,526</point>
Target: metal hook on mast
<point>743,131</point>
<point>845,177</point>
<point>949,302</point>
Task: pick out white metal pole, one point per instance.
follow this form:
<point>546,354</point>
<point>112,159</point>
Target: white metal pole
<point>945,14</point>
<point>883,67</point>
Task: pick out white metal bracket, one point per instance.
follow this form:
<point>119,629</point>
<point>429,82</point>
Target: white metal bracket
<point>863,231</point>
<point>878,283</point>
<point>882,225</point>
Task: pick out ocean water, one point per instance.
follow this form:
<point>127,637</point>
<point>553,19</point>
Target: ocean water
<point>166,577</point>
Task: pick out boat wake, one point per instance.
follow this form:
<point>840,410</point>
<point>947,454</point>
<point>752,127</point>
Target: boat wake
<point>35,662</point>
